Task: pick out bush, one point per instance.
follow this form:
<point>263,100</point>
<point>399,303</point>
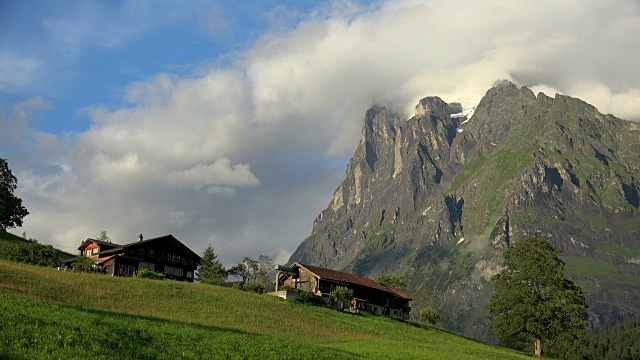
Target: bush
<point>254,286</point>
<point>237,286</point>
<point>430,315</point>
<point>308,297</point>
<point>34,253</point>
<point>343,296</point>
<point>150,274</point>
<point>84,264</point>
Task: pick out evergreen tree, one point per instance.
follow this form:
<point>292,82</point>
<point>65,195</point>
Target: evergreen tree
<point>533,299</point>
<point>210,270</point>
<point>11,209</point>
<point>104,236</point>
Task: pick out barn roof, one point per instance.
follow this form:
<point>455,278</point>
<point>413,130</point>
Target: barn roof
<point>347,278</point>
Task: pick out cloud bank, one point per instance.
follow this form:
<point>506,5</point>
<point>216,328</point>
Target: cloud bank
<point>245,155</point>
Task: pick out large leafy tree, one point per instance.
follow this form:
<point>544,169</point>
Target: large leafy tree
<point>533,299</point>
<point>254,271</point>
<point>11,209</point>
<point>210,270</point>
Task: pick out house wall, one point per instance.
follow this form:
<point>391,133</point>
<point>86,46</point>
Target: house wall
<point>305,281</point>
<point>91,250</point>
<point>161,258</point>
<point>372,296</point>
<point>374,300</point>
<point>109,267</point>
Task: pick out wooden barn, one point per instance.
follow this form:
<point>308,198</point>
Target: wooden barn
<point>369,295</point>
<point>164,254</point>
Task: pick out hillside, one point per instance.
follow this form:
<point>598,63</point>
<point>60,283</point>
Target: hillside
<point>50,314</point>
<point>438,197</point>
<point>10,242</point>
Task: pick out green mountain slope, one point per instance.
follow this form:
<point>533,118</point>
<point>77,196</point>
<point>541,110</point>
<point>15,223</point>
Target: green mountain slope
<point>9,242</point>
<point>438,197</point>
<point>49,314</point>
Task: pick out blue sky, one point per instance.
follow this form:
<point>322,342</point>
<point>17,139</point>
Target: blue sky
<point>231,123</point>
<point>87,52</point>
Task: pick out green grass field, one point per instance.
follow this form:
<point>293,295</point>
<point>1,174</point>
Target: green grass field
<point>47,314</point>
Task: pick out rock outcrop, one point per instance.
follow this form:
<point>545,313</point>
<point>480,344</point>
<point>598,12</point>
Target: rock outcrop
<point>438,197</point>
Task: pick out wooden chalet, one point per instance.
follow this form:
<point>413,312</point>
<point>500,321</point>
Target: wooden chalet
<point>164,254</point>
<point>369,295</point>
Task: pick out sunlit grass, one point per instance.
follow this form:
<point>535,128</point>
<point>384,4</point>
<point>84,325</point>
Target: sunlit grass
<point>49,314</point>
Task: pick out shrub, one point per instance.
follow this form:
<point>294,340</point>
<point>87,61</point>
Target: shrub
<point>34,253</point>
<point>343,296</point>
<point>254,286</point>
<point>237,286</point>
<point>150,274</point>
<point>430,315</point>
<point>84,264</point>
<point>308,297</point>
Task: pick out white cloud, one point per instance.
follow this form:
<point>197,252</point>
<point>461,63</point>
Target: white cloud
<point>242,155</point>
<point>220,173</point>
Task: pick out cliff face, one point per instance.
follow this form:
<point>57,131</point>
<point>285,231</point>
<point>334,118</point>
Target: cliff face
<point>438,197</point>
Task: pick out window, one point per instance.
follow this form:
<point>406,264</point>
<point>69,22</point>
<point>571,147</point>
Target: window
<point>189,274</point>
<point>126,270</point>
<point>173,257</point>
<point>146,265</point>
<point>170,270</point>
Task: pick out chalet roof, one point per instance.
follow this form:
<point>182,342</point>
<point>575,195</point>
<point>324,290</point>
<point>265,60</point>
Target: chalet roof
<point>99,242</point>
<point>169,238</point>
<point>397,292</point>
<point>69,260</point>
<point>347,278</point>
<point>104,260</point>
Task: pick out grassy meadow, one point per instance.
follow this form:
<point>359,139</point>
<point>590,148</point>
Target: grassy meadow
<point>47,314</point>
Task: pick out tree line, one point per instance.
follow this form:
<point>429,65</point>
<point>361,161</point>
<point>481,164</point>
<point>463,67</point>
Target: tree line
<point>257,275</point>
<point>30,251</point>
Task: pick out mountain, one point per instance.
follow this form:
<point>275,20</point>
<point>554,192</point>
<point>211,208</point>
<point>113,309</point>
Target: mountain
<point>438,197</point>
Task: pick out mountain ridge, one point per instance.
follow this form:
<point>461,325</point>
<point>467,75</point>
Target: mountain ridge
<point>437,198</point>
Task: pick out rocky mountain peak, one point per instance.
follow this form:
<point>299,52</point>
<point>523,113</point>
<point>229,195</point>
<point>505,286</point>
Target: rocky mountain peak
<point>437,198</point>
<point>436,107</point>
